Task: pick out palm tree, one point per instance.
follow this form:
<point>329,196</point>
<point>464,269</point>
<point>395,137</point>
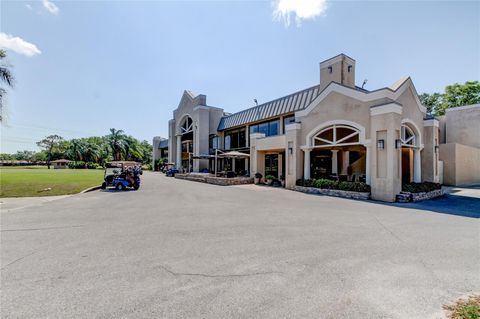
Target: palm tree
<point>91,152</point>
<point>77,149</point>
<point>116,140</point>
<point>5,77</point>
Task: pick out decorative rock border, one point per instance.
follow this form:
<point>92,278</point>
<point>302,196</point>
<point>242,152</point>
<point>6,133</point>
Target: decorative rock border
<point>221,181</point>
<point>406,197</point>
<point>332,192</point>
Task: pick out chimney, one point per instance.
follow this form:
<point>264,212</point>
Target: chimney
<point>340,69</point>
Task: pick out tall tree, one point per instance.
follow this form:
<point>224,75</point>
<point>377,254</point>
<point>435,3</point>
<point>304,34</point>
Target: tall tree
<point>6,77</point>
<point>431,101</point>
<point>76,149</point>
<point>454,95</point>
<point>49,143</point>
<point>116,140</point>
<point>459,95</point>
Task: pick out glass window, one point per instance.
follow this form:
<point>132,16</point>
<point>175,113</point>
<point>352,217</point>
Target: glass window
<point>254,129</point>
<point>242,141</point>
<point>227,142</point>
<point>263,128</point>
<point>273,128</point>
<point>288,120</point>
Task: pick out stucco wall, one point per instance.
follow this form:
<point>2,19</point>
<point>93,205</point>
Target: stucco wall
<point>461,164</point>
<point>463,125</point>
<point>336,107</point>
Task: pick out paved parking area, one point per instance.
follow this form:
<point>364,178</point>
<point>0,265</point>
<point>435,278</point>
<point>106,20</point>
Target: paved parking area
<point>179,249</point>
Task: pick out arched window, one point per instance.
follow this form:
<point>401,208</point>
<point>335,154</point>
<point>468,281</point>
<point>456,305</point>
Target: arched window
<point>187,125</point>
<point>407,136</point>
<point>337,135</point>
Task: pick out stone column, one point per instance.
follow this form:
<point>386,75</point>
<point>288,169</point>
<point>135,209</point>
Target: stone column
<point>345,162</point>
<point>334,161</point>
<point>178,159</point>
<point>417,166</point>
<point>306,163</point>
<point>367,164</point>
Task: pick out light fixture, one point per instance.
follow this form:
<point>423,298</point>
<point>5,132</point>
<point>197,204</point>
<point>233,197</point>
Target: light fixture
<point>436,148</point>
<point>330,69</point>
<point>398,143</point>
<point>290,150</point>
<point>380,144</point>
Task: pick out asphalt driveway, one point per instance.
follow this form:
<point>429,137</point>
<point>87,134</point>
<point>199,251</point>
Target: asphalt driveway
<point>180,249</point>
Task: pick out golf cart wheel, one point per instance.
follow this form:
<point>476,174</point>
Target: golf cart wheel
<point>120,187</point>
<point>104,185</point>
<point>136,186</point>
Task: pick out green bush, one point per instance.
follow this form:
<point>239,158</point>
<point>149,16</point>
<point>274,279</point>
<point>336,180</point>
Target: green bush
<point>421,187</point>
<point>270,177</point>
<point>91,165</point>
<point>329,184</point>
<point>77,164</point>
<point>258,175</point>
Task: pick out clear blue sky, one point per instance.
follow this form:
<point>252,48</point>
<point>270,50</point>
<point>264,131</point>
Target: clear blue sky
<point>125,64</point>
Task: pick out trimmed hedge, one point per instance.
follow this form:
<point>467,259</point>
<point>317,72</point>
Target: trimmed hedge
<point>82,164</point>
<point>421,187</point>
<point>329,184</point>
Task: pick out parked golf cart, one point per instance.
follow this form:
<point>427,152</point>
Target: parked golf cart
<point>122,175</point>
<point>171,172</point>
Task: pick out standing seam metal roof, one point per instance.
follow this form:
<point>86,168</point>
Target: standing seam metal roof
<point>287,104</point>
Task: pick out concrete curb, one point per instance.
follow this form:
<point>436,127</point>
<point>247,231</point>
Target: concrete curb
<point>91,189</point>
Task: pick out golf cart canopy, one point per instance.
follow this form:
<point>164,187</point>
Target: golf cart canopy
<point>121,164</point>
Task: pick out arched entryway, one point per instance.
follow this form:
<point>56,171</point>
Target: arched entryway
<point>411,156</point>
<point>336,151</point>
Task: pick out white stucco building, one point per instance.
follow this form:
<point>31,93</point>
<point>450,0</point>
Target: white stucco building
<point>382,137</point>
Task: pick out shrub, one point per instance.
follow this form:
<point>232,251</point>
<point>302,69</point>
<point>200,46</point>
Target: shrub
<point>258,175</point>
<point>270,177</point>
<point>421,187</point>
<point>77,164</point>
<point>91,165</point>
<point>329,184</point>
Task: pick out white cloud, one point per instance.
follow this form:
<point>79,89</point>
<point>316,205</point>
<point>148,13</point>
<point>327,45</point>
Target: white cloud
<point>299,9</point>
<point>18,45</point>
<point>50,6</point>
<point>29,7</point>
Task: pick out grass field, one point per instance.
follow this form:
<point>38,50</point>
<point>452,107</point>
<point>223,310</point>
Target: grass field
<point>39,181</point>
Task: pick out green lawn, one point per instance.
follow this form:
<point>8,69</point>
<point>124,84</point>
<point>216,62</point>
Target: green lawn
<point>23,182</point>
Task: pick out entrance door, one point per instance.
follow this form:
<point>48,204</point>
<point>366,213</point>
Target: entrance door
<point>407,165</point>
<point>271,165</point>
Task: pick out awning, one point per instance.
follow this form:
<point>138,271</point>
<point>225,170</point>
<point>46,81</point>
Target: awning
<point>234,154</point>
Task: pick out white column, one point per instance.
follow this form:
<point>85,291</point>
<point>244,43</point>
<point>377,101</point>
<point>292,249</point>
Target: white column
<point>334,161</point>
<point>417,166</point>
<point>367,164</point>
<point>178,161</point>
<point>233,164</point>
<point>306,163</point>
<point>345,162</point>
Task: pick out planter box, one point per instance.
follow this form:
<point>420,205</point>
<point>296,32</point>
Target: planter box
<point>406,197</point>
<point>222,181</point>
<point>332,192</point>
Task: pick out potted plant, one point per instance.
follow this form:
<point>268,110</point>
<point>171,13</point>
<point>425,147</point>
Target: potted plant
<point>282,180</point>
<point>257,178</point>
<point>269,179</point>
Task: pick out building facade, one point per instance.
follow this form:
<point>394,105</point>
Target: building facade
<point>335,128</point>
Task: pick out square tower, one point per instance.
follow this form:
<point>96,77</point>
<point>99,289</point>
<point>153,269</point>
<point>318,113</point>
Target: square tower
<point>340,69</point>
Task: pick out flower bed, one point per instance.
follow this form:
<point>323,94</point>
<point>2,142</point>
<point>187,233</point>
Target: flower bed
<point>353,190</point>
<point>414,192</point>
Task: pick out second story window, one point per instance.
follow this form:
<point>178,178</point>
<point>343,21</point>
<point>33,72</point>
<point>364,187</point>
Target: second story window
<point>288,120</point>
<point>235,139</point>
<point>270,128</point>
